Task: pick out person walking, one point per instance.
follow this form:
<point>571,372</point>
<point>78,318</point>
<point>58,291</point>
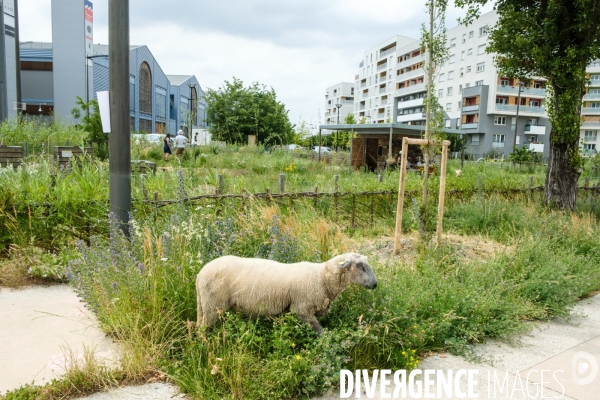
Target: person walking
<point>167,146</point>
<point>180,142</point>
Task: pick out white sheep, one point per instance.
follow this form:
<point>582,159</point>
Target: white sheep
<point>263,287</point>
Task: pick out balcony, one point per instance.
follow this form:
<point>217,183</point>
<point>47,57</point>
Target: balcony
<point>365,95</point>
<point>381,115</point>
<point>388,51</point>
<point>522,109</point>
<point>535,147</point>
<point>363,84</point>
<point>361,107</point>
<point>593,70</point>
<point>406,75</point>
<point>535,129</point>
<point>412,88</point>
<point>410,103</point>
<point>362,63</point>
<point>382,90</point>
<point>411,61</point>
<point>525,92</point>
<point>497,144</point>
<point>383,102</point>
<point>590,110</point>
<point>470,108</point>
<point>590,124</point>
<point>591,96</point>
<point>410,117</point>
<point>470,125</point>
<point>382,66</point>
<point>347,101</point>
<point>594,82</point>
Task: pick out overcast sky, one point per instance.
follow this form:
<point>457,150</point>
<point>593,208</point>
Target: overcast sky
<point>297,47</point>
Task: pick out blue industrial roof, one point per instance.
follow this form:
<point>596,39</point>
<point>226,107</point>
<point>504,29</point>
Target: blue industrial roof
<point>44,55</point>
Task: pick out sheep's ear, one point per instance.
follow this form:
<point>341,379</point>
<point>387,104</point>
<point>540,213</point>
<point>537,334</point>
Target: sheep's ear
<point>344,264</point>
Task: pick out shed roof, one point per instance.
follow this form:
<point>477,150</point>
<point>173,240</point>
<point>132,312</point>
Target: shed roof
<point>380,129</point>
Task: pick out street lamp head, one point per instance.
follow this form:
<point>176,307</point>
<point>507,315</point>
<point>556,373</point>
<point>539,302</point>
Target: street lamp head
<point>191,85</point>
<point>338,105</point>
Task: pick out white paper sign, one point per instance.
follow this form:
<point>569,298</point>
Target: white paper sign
<point>67,154</point>
<point>104,105</point>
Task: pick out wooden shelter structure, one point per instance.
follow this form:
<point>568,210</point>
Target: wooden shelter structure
<point>373,144</point>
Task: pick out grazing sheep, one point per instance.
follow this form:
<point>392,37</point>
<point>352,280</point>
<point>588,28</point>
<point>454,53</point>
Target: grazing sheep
<point>458,172</point>
<point>263,287</point>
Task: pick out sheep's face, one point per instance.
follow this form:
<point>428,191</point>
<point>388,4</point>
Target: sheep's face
<point>359,271</point>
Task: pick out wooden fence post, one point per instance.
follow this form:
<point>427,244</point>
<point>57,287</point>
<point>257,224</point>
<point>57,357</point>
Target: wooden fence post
<point>336,196</point>
<point>379,178</point>
<point>155,206</point>
<point>445,145</point>
<point>281,183</point>
<point>268,195</point>
<point>143,187</point>
<point>353,216</point>
<point>316,196</point>
<point>531,186</point>
<point>400,205</point>
<point>219,184</point>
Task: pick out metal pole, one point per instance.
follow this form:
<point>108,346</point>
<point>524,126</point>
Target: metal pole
<point>319,156</point>
<point>517,117</point>
<point>338,105</point>
<point>118,86</point>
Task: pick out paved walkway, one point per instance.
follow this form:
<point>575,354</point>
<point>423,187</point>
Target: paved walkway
<point>39,326</point>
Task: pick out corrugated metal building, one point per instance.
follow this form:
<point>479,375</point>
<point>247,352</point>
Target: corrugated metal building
<point>158,102</point>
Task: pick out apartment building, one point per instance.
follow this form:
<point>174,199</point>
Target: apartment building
<point>339,98</point>
<point>590,111</point>
<point>473,96</point>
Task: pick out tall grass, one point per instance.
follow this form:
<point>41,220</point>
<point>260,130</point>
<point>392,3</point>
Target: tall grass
<point>143,293</point>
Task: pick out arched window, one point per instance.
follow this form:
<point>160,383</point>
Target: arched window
<point>145,88</point>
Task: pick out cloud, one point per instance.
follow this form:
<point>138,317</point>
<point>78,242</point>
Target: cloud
<point>297,47</point>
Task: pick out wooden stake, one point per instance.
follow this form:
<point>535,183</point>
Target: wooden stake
<point>400,206</point>
<point>281,183</point>
<point>445,145</point>
<point>316,196</point>
<point>219,184</point>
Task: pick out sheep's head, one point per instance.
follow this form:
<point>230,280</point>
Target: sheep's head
<point>359,271</point>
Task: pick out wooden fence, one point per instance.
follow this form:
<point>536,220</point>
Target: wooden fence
<point>11,155</point>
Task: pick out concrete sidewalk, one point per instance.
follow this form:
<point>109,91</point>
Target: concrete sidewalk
<point>557,359</point>
<point>39,327</point>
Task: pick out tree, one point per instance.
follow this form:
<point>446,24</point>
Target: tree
<point>92,124</point>
<point>433,40</point>
<point>233,112</point>
<point>557,40</point>
<point>344,137</point>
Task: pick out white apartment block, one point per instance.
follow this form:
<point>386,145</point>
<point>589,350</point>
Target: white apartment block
<point>391,87</point>
<point>339,101</point>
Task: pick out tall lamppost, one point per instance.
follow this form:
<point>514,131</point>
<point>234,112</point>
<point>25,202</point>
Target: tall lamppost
<point>338,106</point>
<point>192,86</point>
<point>517,117</point>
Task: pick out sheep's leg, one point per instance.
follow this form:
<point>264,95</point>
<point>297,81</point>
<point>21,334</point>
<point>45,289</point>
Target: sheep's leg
<point>312,320</point>
<point>199,314</point>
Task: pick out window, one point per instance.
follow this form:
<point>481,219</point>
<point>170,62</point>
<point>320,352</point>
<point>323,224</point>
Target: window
<point>595,77</point>
<point>459,88</point>
<point>468,68</point>
<point>467,85</point>
<point>481,49</point>
<point>450,75</point>
<point>591,136</point>
<point>594,105</point>
<point>504,82</point>
<point>441,93</point>
<point>161,103</point>
<point>458,106</point>
<point>452,42</point>
<point>449,91</point>
<point>475,139</point>
<point>499,120</point>
<point>448,106</point>
<point>481,67</point>
<point>469,52</point>
<point>483,30</point>
<point>462,55</point>
<point>464,38</point>
<point>479,83</point>
<point>447,123</point>
<point>534,103</point>
<point>501,100</point>
<point>452,58</point>
<point>498,141</point>
<point>145,88</point>
<point>589,148</point>
<point>462,72</point>
<point>471,34</point>
<point>442,77</point>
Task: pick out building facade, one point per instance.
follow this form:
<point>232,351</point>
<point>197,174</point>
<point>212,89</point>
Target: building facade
<point>187,107</point>
<point>495,112</point>
<point>342,95</point>
<point>10,96</point>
